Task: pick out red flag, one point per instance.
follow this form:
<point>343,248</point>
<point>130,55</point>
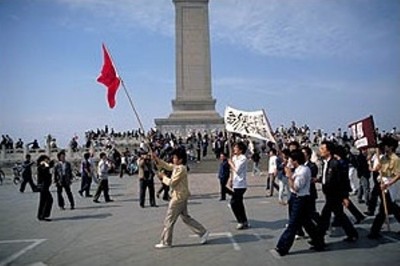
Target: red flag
<point>109,78</point>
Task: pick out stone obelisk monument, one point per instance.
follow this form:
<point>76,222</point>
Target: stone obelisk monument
<point>194,107</point>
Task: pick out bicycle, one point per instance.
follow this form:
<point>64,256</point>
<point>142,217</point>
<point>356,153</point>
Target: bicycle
<point>2,176</point>
<point>17,170</point>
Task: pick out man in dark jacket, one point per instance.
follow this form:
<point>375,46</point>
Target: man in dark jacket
<point>363,174</point>
<point>63,180</point>
<point>223,175</point>
<point>335,188</point>
<point>44,183</point>
<point>27,174</point>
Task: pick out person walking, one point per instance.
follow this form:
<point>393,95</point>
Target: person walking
<point>179,199</point>
<point>27,175</point>
<point>223,175</point>
<point>364,175</point>
<point>102,172</point>
<point>389,168</point>
<point>335,188</point>
<point>299,209</point>
<point>146,180</point>
<point>272,171</point>
<point>86,174</point>
<point>63,180</point>
<point>44,182</point>
<point>238,184</point>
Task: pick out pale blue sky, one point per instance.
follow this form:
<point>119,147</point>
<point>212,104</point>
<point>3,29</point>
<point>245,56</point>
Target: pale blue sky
<point>323,63</point>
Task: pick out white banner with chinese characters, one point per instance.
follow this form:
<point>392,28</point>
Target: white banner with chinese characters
<point>254,124</point>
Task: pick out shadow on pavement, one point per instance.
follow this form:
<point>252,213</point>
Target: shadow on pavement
<point>84,217</point>
<point>98,206</point>
<point>279,224</point>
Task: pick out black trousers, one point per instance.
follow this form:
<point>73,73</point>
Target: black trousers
<point>393,208</point>
<point>374,195</point>
<point>144,185</point>
<point>102,187</point>
<point>28,180</point>
<point>300,216</point>
<point>85,184</point>
<point>334,204</point>
<point>123,169</point>
<point>238,206</point>
<point>45,204</point>
<point>60,198</point>
<point>164,188</point>
<point>223,189</point>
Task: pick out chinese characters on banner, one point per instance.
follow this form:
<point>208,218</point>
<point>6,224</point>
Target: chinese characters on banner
<point>363,132</point>
<point>254,124</point>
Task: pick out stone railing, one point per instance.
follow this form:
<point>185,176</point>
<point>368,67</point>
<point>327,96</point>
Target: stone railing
<point>9,157</point>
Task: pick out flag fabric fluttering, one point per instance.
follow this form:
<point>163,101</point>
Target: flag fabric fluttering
<point>109,78</point>
<point>364,133</point>
<point>254,124</point>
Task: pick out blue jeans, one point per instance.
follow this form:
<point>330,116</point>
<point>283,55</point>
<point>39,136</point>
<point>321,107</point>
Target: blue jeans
<point>299,216</point>
<point>363,190</point>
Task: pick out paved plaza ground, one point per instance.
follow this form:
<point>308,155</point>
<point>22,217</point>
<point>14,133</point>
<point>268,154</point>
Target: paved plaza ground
<point>122,233</point>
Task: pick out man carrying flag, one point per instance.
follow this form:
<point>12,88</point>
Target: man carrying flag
<point>109,78</point>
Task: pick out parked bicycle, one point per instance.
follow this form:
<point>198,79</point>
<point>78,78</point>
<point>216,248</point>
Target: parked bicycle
<point>2,176</point>
<point>17,170</point>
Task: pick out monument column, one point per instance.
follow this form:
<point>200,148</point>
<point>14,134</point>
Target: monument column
<point>194,107</point>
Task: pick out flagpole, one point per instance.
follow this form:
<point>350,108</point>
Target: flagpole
<point>130,100</point>
<point>136,113</point>
<point>270,130</point>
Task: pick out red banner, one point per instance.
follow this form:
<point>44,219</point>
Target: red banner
<point>363,132</point>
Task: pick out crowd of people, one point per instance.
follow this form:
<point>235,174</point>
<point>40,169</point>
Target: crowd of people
<point>293,170</point>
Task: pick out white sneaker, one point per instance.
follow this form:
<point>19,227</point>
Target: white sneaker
<point>162,245</point>
<point>204,238</point>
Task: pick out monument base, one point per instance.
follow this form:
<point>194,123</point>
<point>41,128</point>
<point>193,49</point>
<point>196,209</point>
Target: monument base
<point>184,124</point>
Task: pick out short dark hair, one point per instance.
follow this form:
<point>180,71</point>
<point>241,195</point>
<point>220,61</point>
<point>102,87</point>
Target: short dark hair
<point>273,150</point>
<point>86,155</point>
<point>42,158</point>
<point>329,146</point>
<point>62,152</point>
<point>298,156</point>
<point>340,151</point>
<point>294,143</point>
<point>242,147</point>
<point>307,150</point>
<point>180,152</point>
<point>102,154</point>
<point>390,142</point>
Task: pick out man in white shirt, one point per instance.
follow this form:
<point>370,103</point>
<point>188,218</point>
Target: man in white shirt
<point>102,171</point>
<point>238,184</point>
<point>272,171</point>
<point>299,210</point>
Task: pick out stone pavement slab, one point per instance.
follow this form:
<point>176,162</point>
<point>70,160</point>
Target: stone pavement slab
<point>122,233</point>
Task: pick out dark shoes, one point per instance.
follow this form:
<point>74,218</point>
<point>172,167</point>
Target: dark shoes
<point>96,201</point>
<point>279,252</point>
<point>351,239</point>
<point>359,220</point>
<point>110,200</point>
<point>317,245</point>
<point>80,193</point>
<point>44,219</point>
<point>374,236</point>
<point>368,213</point>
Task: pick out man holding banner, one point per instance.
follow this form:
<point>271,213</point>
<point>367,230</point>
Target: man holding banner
<point>389,168</point>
